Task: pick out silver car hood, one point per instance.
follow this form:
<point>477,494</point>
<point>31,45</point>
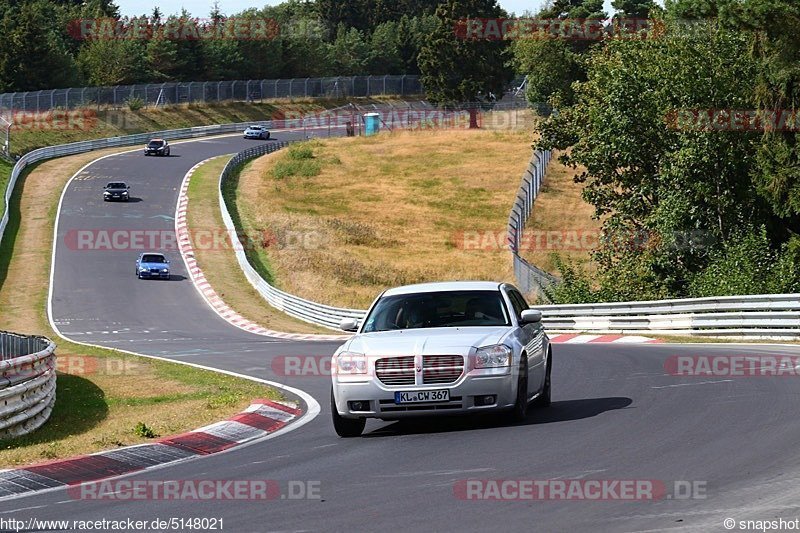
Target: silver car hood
<point>425,341</point>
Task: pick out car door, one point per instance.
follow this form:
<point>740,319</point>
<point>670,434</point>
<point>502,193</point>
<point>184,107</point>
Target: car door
<point>534,333</point>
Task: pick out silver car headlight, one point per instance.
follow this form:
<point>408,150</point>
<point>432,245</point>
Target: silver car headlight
<point>350,363</point>
<point>495,356</point>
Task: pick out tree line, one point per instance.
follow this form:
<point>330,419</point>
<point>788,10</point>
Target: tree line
<point>686,143</point>
<point>43,47</point>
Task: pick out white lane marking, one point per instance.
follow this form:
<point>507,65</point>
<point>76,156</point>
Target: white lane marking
<point>437,473</point>
<point>313,407</point>
<point>691,384</point>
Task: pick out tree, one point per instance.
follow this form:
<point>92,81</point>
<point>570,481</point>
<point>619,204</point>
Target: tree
<point>349,53</point>
<point>633,9</point>
<point>552,62</point>
<point>34,54</point>
<point>670,191</point>
<point>457,70</point>
<point>114,62</point>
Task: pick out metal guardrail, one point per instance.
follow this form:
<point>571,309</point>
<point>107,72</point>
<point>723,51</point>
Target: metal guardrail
<point>212,91</point>
<point>529,278</point>
<point>50,152</point>
<point>759,316</point>
<point>772,316</point>
<point>27,383</point>
<point>306,310</point>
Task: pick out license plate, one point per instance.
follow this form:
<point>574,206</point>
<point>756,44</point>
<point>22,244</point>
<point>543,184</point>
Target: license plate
<point>422,396</point>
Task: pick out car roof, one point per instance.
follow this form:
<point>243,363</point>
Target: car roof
<point>157,140</point>
<point>152,253</point>
<point>256,126</point>
<point>445,286</point>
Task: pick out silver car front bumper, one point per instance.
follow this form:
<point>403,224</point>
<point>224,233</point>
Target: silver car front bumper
<point>500,383</point>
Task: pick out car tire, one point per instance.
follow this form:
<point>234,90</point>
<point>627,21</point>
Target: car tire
<point>268,135</point>
<point>520,411</point>
<point>544,398</point>
<point>166,154</point>
<point>346,427</point>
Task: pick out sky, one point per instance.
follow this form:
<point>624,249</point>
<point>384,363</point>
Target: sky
<point>201,8</point>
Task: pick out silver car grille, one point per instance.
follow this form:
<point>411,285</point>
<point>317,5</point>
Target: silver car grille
<point>441,368</point>
<point>395,370</point>
<point>436,369</point>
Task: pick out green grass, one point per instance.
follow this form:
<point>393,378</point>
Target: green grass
<point>5,174</point>
<point>100,410</point>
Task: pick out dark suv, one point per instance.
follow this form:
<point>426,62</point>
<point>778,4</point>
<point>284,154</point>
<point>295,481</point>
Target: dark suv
<point>157,147</point>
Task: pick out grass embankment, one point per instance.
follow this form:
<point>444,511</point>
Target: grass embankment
<point>561,222</point>
<point>100,123</point>
<point>358,215</point>
<point>102,395</point>
<point>219,263</point>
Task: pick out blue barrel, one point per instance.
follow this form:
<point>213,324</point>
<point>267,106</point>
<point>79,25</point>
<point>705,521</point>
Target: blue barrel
<point>372,123</point>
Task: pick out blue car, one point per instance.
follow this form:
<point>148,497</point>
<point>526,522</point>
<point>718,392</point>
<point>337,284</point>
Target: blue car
<point>153,266</point>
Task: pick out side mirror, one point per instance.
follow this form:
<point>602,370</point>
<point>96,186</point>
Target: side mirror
<point>531,316</point>
<point>348,324</point>
<point>128,187</point>
<point>167,261</point>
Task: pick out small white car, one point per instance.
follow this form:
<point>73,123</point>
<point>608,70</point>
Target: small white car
<point>257,132</point>
<point>441,349</point>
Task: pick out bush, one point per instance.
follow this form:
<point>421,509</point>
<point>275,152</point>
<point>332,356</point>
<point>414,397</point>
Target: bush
<point>301,151</point>
<point>145,431</point>
<point>287,168</point>
<point>747,264</point>
<point>135,103</point>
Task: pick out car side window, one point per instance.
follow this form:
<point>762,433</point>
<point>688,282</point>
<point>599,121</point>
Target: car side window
<point>517,302</point>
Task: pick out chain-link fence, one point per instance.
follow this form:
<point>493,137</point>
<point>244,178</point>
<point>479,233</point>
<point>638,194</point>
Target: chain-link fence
<point>5,132</point>
<point>211,91</point>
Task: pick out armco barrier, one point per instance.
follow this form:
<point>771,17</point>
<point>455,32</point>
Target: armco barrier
<point>322,315</point>
<point>760,316</point>
<point>50,152</point>
<point>27,383</point>
<point>771,316</point>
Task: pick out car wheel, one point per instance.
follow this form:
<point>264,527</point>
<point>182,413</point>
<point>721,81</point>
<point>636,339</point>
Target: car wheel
<point>268,135</point>
<point>346,427</point>
<point>520,412</point>
<point>544,398</point>
<point>167,152</point>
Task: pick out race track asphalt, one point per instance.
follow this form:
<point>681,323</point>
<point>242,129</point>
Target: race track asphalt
<point>617,414</point>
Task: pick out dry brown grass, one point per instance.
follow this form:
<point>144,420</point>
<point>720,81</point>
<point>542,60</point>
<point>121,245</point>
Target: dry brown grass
<point>220,265</point>
<point>102,397</point>
<point>561,221</point>
<point>388,210</point>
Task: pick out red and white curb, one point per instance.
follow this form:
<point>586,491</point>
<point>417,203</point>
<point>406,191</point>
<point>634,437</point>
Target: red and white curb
<point>204,287</point>
<point>576,338</point>
<point>261,419</point>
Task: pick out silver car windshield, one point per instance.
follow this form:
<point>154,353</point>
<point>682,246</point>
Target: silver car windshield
<point>153,259</point>
<point>438,309</point>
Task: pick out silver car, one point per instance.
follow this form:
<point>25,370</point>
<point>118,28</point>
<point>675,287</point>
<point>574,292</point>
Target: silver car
<point>441,349</point>
<point>256,132</point>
